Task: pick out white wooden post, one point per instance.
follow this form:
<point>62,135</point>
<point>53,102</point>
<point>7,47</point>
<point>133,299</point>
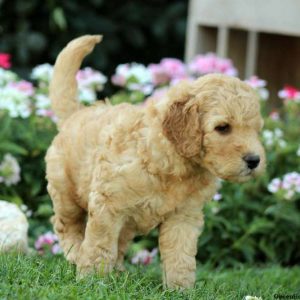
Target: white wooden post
<point>222,41</point>
<point>251,54</point>
<point>192,41</point>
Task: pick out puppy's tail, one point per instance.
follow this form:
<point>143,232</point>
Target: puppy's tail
<point>63,86</point>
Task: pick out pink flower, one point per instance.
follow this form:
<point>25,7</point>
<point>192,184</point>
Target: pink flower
<point>173,67</point>
<point>203,64</point>
<point>256,82</point>
<point>159,76</point>
<point>23,86</point>
<point>144,257</point>
<point>118,80</point>
<point>56,249</point>
<point>42,112</point>
<point>47,242</point>
<point>121,75</point>
<point>5,60</point>
<point>224,66</point>
<point>210,63</point>
<point>259,85</point>
<point>289,93</point>
<point>176,80</point>
<point>168,69</point>
<point>274,115</point>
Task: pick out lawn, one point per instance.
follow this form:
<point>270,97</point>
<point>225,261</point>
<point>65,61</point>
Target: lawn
<point>53,278</point>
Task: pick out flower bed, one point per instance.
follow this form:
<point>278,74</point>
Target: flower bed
<point>257,221</point>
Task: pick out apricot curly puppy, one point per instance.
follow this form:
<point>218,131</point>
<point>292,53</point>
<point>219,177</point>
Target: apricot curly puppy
<point>118,171</point>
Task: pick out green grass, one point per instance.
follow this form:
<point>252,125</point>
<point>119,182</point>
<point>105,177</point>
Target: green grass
<point>34,277</point>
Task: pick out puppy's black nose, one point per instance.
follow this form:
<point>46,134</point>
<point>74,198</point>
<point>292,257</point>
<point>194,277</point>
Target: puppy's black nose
<point>251,160</point>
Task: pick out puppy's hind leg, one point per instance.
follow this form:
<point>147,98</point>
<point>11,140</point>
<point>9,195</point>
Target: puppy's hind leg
<point>68,222</point>
<point>69,219</point>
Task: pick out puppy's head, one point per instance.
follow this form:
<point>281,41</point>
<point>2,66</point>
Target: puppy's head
<point>215,121</point>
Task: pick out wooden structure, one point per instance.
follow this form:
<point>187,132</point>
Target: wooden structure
<point>261,37</point>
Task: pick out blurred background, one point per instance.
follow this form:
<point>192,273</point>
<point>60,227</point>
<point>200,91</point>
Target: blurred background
<point>34,31</point>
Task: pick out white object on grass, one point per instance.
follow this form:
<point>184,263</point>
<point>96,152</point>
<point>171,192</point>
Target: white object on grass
<point>13,228</point>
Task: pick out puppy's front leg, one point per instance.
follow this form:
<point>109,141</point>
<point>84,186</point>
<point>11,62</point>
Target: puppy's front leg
<point>178,247</point>
<point>99,249</point>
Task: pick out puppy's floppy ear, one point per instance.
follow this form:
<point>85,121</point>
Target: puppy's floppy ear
<point>181,125</point>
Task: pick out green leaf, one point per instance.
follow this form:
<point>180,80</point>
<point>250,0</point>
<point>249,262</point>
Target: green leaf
<point>12,148</point>
<point>59,18</point>
<point>260,225</point>
<point>44,210</point>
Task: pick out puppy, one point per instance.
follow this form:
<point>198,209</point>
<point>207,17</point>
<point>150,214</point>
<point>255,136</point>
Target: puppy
<point>115,172</point>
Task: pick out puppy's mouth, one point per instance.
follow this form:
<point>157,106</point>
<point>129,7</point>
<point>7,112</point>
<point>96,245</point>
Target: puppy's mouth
<point>242,176</point>
<point>247,172</point>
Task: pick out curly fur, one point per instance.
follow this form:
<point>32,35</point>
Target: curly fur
<point>117,171</point>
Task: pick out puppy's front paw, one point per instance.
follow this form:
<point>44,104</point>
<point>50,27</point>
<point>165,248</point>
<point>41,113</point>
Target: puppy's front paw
<point>100,268</point>
<point>72,256</point>
<point>177,282</point>
<point>120,267</point>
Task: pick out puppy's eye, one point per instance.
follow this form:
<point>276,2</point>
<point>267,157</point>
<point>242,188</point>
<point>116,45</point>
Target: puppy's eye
<point>223,128</point>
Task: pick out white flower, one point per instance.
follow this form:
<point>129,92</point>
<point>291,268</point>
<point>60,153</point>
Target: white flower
<point>282,143</point>
<point>268,137</point>
<point>136,77</point>
<point>286,184</point>
<point>290,185</point>
<point>278,132</point>
<point>25,210</point>
<point>217,197</point>
<point>145,89</point>
<point>140,72</point>
<point>90,79</point>
<point>87,96</point>
<point>275,185</point>
<point>15,102</point>
<point>122,70</point>
<point>272,138</point>
<point>10,170</point>
<point>42,101</point>
<point>43,107</point>
<point>42,72</point>
<point>7,76</point>
<point>23,207</point>
<point>267,134</point>
<point>263,94</point>
<point>289,194</point>
<point>28,213</point>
